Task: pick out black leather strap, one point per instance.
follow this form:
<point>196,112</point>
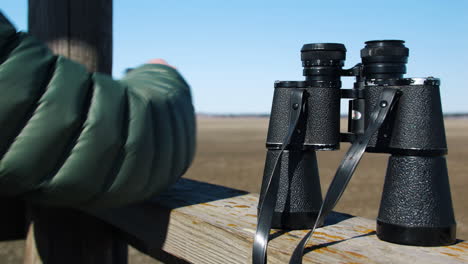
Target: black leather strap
<point>267,207</point>
<point>388,97</point>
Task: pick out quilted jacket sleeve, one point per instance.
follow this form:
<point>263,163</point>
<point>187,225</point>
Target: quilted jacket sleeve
<point>76,139</point>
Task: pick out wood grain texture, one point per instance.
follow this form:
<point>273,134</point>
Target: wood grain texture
<point>212,224</point>
<point>82,31</point>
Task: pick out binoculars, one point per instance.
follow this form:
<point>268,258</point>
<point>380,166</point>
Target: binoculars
<point>416,207</point>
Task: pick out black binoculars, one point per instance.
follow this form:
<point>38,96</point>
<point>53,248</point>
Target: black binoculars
<point>416,206</point>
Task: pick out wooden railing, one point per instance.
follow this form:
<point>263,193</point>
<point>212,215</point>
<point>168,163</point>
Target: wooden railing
<point>196,222</point>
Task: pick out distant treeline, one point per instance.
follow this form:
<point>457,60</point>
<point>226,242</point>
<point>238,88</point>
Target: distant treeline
<point>253,115</point>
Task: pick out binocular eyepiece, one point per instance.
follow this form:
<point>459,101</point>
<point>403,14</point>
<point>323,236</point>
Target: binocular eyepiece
<point>416,206</point>
<point>381,59</point>
<point>384,59</point>
<point>323,63</point>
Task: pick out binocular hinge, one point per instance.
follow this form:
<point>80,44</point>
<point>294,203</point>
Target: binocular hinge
<point>352,93</point>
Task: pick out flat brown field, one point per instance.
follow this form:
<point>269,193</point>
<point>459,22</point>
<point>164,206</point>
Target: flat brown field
<point>231,152</point>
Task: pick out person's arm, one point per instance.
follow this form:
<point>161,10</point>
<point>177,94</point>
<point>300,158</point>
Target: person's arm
<point>71,138</point>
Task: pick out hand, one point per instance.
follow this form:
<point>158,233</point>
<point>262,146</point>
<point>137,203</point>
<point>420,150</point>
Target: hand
<point>160,61</point>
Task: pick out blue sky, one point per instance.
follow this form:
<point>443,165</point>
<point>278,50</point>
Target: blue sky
<point>231,52</point>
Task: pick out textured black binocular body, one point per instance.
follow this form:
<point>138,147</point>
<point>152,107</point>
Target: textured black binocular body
<point>416,206</point>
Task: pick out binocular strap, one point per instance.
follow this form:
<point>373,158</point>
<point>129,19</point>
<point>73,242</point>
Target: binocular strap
<point>267,206</point>
<point>348,165</point>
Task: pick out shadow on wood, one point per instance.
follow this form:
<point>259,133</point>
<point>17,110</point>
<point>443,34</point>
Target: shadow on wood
<point>13,224</point>
<point>324,245</point>
<point>145,225</point>
<point>67,234</point>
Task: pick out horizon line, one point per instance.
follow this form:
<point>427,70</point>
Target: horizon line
<point>449,114</point>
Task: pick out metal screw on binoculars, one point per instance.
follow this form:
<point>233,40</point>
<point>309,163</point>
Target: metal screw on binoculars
<point>387,114</point>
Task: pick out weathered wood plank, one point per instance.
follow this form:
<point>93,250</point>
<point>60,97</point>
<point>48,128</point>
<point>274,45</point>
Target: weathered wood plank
<point>203,223</point>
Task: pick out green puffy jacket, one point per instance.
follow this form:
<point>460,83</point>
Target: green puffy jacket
<point>78,139</point>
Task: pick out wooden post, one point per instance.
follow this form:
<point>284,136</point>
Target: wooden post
<point>80,30</point>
